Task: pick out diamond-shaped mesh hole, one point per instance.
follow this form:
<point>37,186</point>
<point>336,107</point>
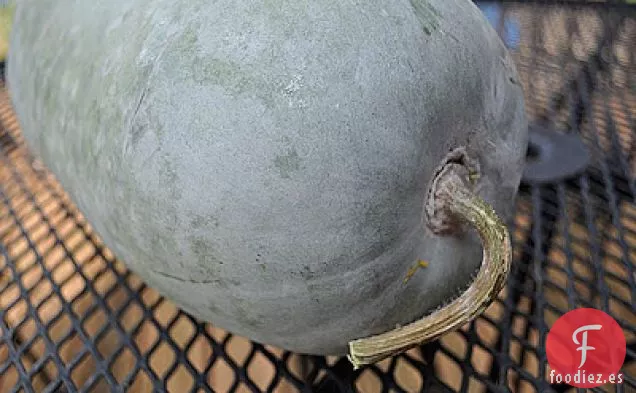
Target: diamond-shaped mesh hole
<point>44,375</point>
<point>200,353</point>
<point>481,360</point>
<point>119,267</point>
<point>218,334</point>
<point>287,386</point>
<point>368,381</point>
<point>46,248</point>
<point>526,386</point>
<point>180,381</point>
<point>407,376</point>
<point>456,343</point>
<point>131,317</point>
<point>123,365</point>
<point>10,294</point>
<point>221,376</point>
<point>93,267</point>
<point>134,283</point>
<point>18,248</point>
<point>83,370</point>
<point>94,322</point>
<point>71,348</point>
<point>4,349</point>
<point>162,359</point>
<point>26,330</point>
<point>475,385</point>
<point>63,271</point>
<point>146,337</point>
<point>26,261</point>
<point>117,299</point>
<point>487,333</point>
<point>450,372</point>
<point>141,383</point>
<point>49,309</point>
<point>99,386</point>
<point>73,287</point>
<point>8,379</point>
<point>150,297</point>
<point>104,282</point>
<point>165,313</point>
<point>108,343</point>
<point>260,371</point>
<point>47,304</point>
<point>74,238</point>
<point>35,349</point>
<point>65,227</point>
<point>238,348</point>
<point>531,363</point>
<point>182,331</point>
<point>82,305</point>
<point>55,256</point>
<point>294,364</point>
<point>32,276</point>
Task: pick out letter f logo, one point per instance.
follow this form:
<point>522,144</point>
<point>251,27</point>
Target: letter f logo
<point>583,346</point>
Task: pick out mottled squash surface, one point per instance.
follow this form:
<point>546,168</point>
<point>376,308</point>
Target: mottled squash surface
<point>264,164</point>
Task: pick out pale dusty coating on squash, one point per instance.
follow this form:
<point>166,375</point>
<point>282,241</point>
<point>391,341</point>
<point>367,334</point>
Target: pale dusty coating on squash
<point>206,139</point>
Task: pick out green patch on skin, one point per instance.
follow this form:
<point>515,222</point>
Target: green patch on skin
<point>207,264</point>
<point>235,78</point>
<point>204,254</point>
<point>281,14</point>
<point>220,72</point>
<point>189,38</point>
<point>6,22</point>
<point>162,245</point>
<point>136,132</point>
<point>169,175</point>
<point>288,163</point>
<point>244,310</point>
<point>427,14</point>
<point>199,222</point>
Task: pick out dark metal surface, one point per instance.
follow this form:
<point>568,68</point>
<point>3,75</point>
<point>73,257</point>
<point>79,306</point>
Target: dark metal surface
<point>73,318</point>
<point>554,156</point>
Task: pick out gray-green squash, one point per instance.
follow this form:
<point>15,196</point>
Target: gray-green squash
<point>267,165</point>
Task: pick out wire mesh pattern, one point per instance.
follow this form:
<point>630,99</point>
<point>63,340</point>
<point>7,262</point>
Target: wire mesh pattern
<point>73,318</point>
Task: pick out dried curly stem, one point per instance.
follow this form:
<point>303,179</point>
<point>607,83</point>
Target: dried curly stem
<point>462,204</point>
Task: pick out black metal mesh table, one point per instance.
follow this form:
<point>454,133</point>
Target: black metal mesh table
<point>73,318</point>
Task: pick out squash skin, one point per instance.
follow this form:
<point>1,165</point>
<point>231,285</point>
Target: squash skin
<point>264,164</point>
